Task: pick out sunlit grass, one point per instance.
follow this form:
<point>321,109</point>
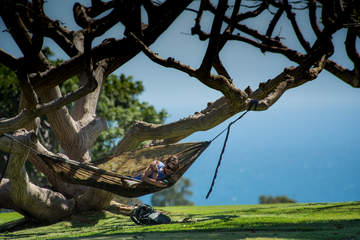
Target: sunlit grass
<point>276,221</point>
<point>9,216</point>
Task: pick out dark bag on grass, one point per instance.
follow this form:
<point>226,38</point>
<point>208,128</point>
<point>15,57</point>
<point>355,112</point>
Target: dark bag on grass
<point>146,215</point>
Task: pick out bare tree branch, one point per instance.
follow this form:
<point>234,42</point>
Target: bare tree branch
<point>313,18</point>
<point>34,60</point>
<point>27,115</point>
<point>299,35</point>
<point>350,77</point>
<point>196,29</point>
<point>218,82</point>
<point>274,21</point>
<point>251,14</point>
<point>211,116</point>
<point>212,49</point>
<point>350,44</point>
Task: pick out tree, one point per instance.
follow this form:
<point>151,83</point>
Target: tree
<point>174,196</point>
<point>263,199</point>
<point>77,128</point>
<point>118,105</point>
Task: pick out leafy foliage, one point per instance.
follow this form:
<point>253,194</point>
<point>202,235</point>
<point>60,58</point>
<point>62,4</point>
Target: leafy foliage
<point>9,93</point>
<point>9,99</point>
<point>174,196</point>
<point>278,199</point>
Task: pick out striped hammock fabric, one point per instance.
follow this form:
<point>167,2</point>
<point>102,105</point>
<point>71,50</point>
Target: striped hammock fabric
<point>114,173</point>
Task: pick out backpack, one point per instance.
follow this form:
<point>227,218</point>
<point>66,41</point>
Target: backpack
<point>146,215</point>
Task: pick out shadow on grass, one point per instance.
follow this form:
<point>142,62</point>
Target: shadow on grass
<point>334,230</point>
<point>340,206</point>
<point>86,219</point>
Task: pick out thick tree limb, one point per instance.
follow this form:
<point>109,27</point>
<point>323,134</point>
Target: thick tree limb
<point>27,115</point>
<point>84,109</point>
<point>33,201</point>
<point>62,122</point>
<point>39,203</point>
<point>211,116</point>
<point>270,91</point>
<point>5,200</point>
<point>28,91</point>
<point>8,60</point>
<point>119,208</point>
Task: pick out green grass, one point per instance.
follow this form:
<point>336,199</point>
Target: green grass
<point>9,216</point>
<point>277,221</point>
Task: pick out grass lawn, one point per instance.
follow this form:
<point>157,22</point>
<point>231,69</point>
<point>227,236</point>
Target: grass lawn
<point>276,221</point>
<point>9,216</point>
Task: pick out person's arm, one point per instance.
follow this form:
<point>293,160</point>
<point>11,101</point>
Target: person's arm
<point>152,171</point>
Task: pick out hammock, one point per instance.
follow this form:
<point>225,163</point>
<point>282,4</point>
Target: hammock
<point>114,173</point>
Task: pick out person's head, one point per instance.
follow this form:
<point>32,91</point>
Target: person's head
<point>171,164</point>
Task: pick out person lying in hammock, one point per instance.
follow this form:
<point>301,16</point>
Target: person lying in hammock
<point>158,172</point>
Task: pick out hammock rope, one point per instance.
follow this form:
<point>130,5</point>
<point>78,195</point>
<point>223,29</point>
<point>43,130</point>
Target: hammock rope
<point>253,102</point>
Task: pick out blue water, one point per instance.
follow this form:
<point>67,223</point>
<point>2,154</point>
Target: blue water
<point>310,153</point>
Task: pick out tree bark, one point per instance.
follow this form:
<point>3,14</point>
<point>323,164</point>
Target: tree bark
<point>32,201</point>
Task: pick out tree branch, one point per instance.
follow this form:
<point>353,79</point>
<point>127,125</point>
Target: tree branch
<point>34,60</point>
<point>350,77</point>
<point>39,203</point>
<point>26,115</point>
<point>196,29</point>
<point>27,90</point>
<point>299,35</point>
<point>217,64</point>
<point>252,14</point>
<point>98,7</point>
<point>212,49</point>
<point>274,21</point>
<point>268,93</point>
<point>350,44</point>
<point>313,18</point>
<point>115,52</point>
<point>217,82</point>
<point>211,116</point>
